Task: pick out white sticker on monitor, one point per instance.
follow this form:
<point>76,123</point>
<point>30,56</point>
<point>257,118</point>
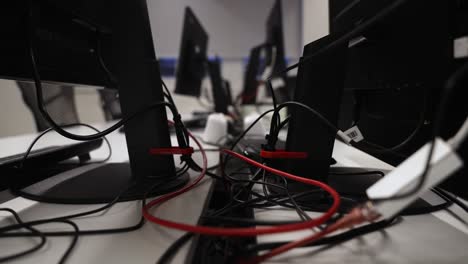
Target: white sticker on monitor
<point>355,134</point>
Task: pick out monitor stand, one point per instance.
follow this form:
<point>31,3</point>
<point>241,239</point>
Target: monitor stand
<point>95,183</point>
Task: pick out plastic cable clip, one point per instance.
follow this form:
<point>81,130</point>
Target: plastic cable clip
<point>282,154</point>
<point>171,151</point>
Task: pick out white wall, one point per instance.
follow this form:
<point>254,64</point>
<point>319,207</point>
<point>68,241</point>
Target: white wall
<point>315,23</point>
<point>15,117</point>
<point>234,26</point>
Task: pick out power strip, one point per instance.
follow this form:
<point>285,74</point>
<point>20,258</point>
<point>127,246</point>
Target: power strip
<point>404,177</point>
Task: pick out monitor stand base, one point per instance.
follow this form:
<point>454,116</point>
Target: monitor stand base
<point>99,183</point>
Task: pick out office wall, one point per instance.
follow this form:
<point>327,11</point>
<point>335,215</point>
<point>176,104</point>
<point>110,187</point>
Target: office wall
<point>15,117</point>
<point>315,22</point>
<point>234,26</point>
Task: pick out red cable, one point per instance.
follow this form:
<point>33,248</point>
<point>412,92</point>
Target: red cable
<point>289,246</point>
<point>355,217</point>
<point>219,231</point>
<point>188,187</point>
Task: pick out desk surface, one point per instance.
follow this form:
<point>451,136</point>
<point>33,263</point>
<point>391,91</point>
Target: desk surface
<point>435,238</point>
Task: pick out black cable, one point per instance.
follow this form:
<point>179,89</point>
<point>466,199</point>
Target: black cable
<point>376,149</point>
<point>28,151</point>
<point>173,248</point>
<point>284,123</point>
<point>318,115</point>
<point>376,172</point>
<point>270,198</point>
<point>183,170</point>
<point>66,233</point>
<point>66,217</point>
<point>273,136</point>
<point>266,197</point>
<point>86,213</point>
<point>242,135</point>
<point>168,93</point>
<point>257,182</point>
<point>110,76</point>
<point>213,167</point>
<point>81,232</point>
<point>245,222</point>
<point>272,90</point>
<point>407,140</point>
<point>300,212</point>
<point>336,239</point>
<point>34,232</point>
<point>41,243</point>
<point>453,199</point>
<point>72,245</point>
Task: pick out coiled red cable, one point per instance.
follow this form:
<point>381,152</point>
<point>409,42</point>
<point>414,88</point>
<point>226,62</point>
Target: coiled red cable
<point>218,231</point>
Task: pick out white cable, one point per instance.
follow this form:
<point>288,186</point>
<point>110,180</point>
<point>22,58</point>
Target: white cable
<point>344,137</point>
<point>457,140</point>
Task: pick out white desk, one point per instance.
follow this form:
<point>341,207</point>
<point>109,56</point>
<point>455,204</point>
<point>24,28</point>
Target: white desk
<point>445,244</point>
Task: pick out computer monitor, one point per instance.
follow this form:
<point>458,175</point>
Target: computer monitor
<point>192,56</point>
<point>273,62</point>
<point>251,77</point>
<point>275,54</point>
<point>75,42</point>
<point>396,71</point>
<point>219,88</point>
<point>193,64</point>
<point>393,75</point>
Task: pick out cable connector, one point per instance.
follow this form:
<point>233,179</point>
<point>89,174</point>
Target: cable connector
<point>344,137</point>
<point>444,163</point>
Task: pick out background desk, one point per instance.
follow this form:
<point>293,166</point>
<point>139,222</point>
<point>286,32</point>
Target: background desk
<point>436,238</point>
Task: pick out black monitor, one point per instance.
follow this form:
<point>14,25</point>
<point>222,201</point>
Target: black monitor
<point>84,42</point>
<point>64,42</point>
<point>275,55</point>
<point>219,87</point>
<point>395,73</point>
<point>192,56</point>
<point>274,59</point>
<point>392,82</point>
<point>193,64</point>
<point>251,82</point>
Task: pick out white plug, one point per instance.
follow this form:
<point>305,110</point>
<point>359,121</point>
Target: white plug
<point>404,177</point>
<point>216,128</point>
